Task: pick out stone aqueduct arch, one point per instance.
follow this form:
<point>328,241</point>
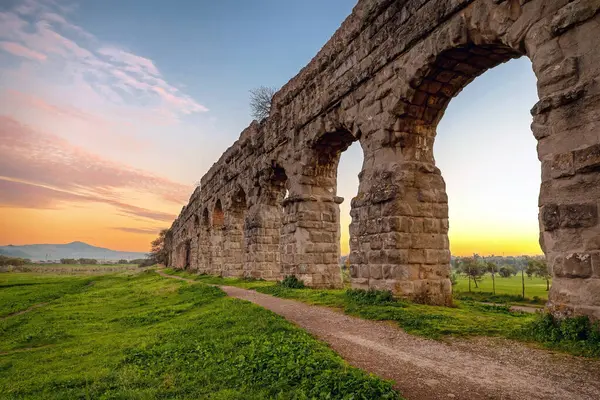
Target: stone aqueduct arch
<point>384,79</point>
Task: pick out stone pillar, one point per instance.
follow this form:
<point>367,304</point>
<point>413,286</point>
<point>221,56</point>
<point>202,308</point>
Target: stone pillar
<point>216,251</point>
<point>311,240</point>
<point>262,231</point>
<point>193,262</point>
<point>398,234</point>
<point>567,130</point>
<point>565,122</point>
<point>204,244</point>
<point>216,240</point>
<point>233,246</point>
<point>263,221</point>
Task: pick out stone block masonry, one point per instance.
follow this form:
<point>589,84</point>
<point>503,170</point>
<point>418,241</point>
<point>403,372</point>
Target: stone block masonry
<point>268,207</point>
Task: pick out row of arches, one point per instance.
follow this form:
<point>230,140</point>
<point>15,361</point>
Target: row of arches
<point>391,97</point>
<point>237,237</point>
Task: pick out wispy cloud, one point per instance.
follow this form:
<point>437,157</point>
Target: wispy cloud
<point>38,103</point>
<point>39,30</point>
<point>143,231</point>
<point>30,195</point>
<point>21,51</point>
<point>58,171</point>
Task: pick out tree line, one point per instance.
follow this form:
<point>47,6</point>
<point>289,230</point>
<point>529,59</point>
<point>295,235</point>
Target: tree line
<point>13,261</point>
<point>475,268</point>
<point>92,261</point>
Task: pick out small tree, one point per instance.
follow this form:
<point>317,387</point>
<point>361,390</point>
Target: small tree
<point>473,270</point>
<point>260,102</point>
<point>158,252</point>
<point>540,269</point>
<point>506,271</point>
<point>87,261</point>
<point>492,268</point>
<point>122,261</point>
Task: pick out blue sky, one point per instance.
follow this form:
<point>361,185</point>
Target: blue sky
<point>137,99</point>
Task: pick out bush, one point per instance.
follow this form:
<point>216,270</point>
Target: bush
<point>454,279</point>
<point>13,261</point>
<point>147,262</point>
<point>576,335</point>
<point>291,282</point>
<point>370,297</point>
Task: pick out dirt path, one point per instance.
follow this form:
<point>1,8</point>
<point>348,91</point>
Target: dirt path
<point>481,368</point>
<point>179,278</point>
<point>24,349</point>
<point>33,307</point>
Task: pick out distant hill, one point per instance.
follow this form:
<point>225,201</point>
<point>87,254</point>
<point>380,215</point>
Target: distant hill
<point>39,252</point>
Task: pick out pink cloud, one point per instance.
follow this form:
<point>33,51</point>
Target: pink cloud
<point>118,76</point>
<point>21,51</point>
<point>49,161</point>
<point>142,231</point>
<point>63,111</point>
<point>27,195</point>
<point>133,62</point>
<point>117,131</point>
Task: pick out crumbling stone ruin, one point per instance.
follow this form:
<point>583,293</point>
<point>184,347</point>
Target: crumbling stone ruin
<point>268,207</point>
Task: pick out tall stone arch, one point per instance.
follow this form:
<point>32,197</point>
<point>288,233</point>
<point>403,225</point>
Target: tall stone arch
<point>409,250</point>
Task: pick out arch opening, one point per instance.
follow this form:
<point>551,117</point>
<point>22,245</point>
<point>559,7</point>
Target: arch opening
<point>435,86</point>
<point>312,214</point>
<point>216,239</point>
<point>348,171</point>
<point>433,89</point>
<point>184,251</point>
<point>493,181</point>
<point>235,246</point>
<point>218,219</point>
<point>263,223</point>
<point>204,248</point>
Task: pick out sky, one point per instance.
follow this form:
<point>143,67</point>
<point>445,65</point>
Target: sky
<point>111,111</point>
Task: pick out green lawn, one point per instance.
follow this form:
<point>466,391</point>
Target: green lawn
<point>18,291</point>
<point>534,287</point>
<point>147,337</point>
<point>468,317</point>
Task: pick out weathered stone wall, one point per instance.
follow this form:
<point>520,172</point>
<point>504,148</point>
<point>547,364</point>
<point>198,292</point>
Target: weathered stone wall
<point>384,79</point>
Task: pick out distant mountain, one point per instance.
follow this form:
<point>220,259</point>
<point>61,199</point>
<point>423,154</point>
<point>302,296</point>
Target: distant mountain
<point>39,252</point>
<point>12,252</point>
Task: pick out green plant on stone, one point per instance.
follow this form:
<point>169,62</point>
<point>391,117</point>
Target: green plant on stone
<point>371,296</point>
<point>291,282</point>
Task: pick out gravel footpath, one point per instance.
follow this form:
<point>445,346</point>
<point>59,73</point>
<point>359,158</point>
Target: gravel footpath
<point>480,368</point>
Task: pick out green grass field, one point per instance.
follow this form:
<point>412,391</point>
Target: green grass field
<point>534,287</point>
<point>469,317</point>
<point>146,337</point>
<point>466,319</point>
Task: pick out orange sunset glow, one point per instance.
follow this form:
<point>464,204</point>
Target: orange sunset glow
<point>105,129</point>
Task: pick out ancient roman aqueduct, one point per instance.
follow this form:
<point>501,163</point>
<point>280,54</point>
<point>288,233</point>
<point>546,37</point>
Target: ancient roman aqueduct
<point>384,79</point>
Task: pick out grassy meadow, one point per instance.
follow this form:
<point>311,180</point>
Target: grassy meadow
<point>534,287</point>
<point>467,318</point>
<point>141,336</point>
